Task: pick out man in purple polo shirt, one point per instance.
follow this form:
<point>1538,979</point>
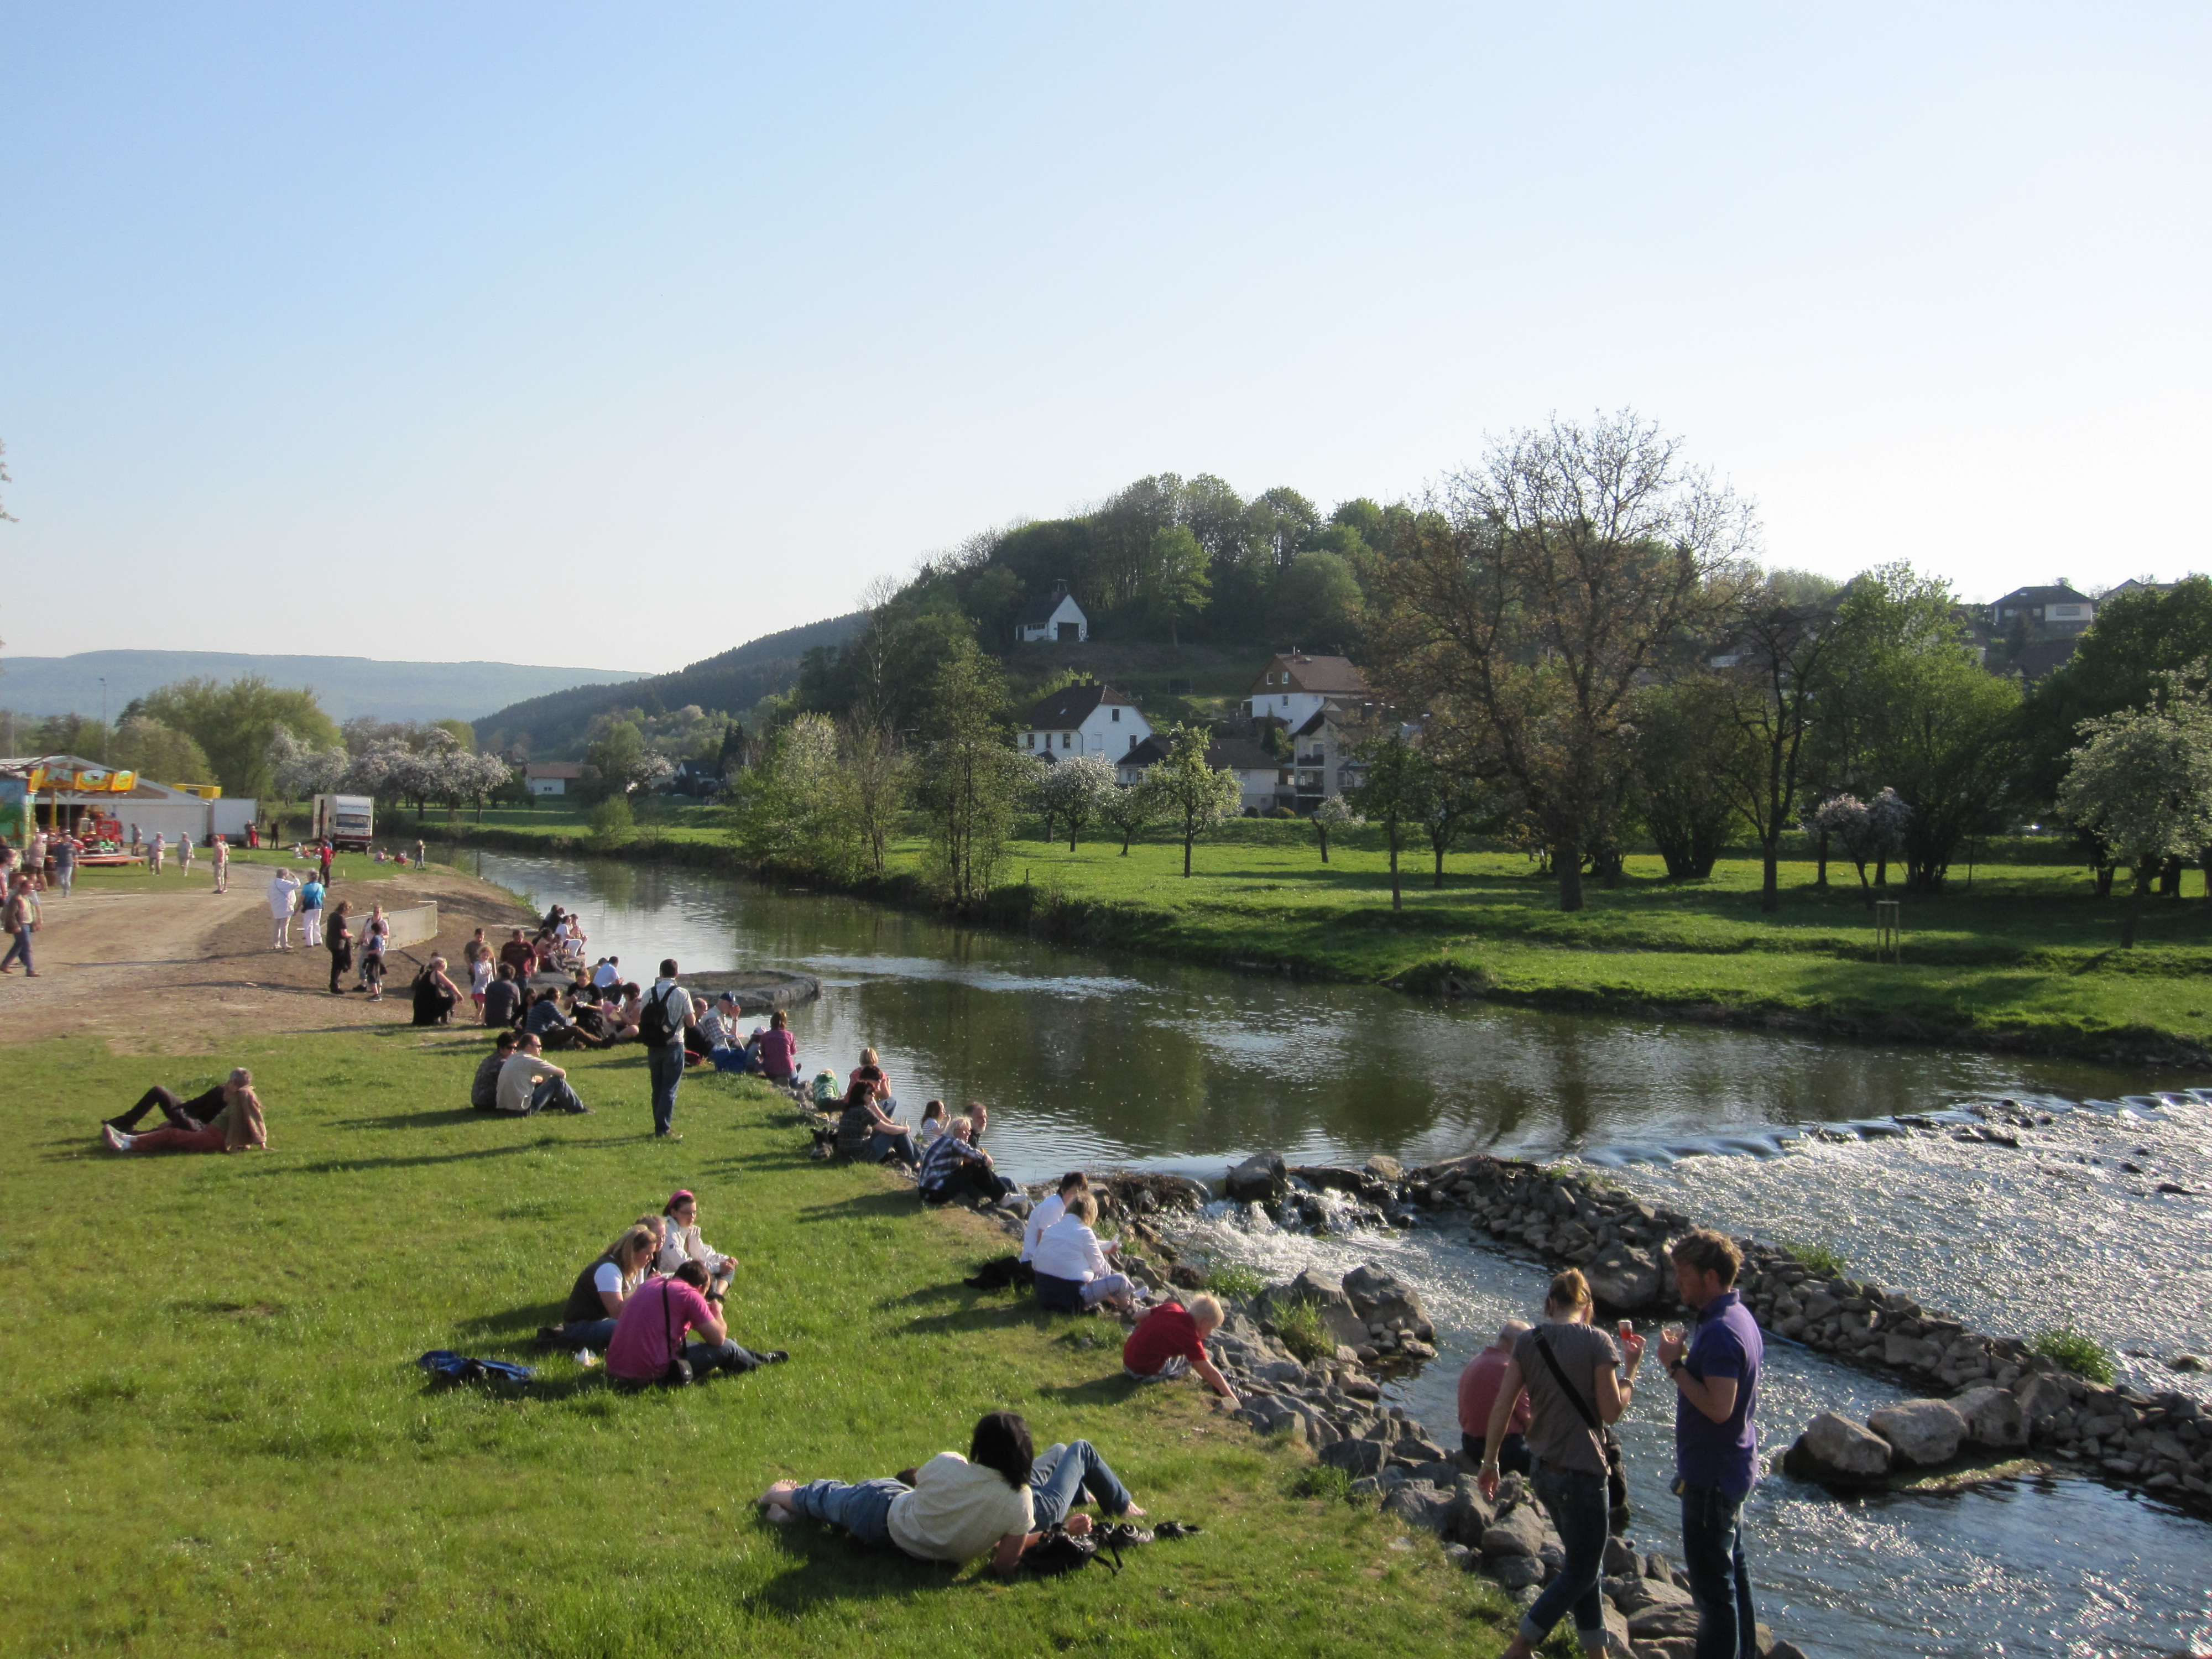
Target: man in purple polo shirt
<point>1716,1380</point>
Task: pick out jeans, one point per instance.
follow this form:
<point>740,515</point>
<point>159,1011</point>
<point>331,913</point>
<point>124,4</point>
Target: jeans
<point>665,1063</point>
<point>1512,1452</point>
<point>555,1092</point>
<point>19,949</point>
<point>1712,1557</point>
<point>1076,1295</point>
<point>886,1143</point>
<point>592,1334</point>
<point>971,1179</point>
<point>1061,1472</point>
<point>65,873</point>
<point>1577,1501</point>
<point>864,1510</point>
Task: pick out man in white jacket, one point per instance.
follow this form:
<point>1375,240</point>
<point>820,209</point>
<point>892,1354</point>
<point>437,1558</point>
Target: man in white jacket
<point>283,899</point>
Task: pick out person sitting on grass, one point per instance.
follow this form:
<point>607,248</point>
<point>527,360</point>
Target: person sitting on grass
<point>627,1014</point>
<point>649,1333</point>
<point>953,1168</point>
<point>1049,1209</point>
<point>680,1242</point>
<point>238,1126</point>
<point>1171,1340</point>
<point>529,1083</point>
<point>933,1124</point>
<point>779,1051</point>
<point>554,1029</point>
<point>435,994</point>
<point>483,1090</point>
<point>504,998</point>
<point>1073,1273</point>
<point>595,1300</point>
<point>867,1132</point>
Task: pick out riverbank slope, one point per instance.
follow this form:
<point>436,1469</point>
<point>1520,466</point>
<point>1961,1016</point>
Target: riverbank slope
<point>217,1440</point>
<point>2024,960</point>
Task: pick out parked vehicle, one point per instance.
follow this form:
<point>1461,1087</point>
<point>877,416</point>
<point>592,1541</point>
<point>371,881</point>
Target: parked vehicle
<point>346,821</point>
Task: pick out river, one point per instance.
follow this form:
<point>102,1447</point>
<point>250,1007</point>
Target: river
<point>1097,1061</point>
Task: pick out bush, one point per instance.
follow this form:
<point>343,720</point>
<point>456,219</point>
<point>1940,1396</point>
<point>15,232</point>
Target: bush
<point>1323,1480</point>
<point>1298,1327</point>
<point>2084,1356</point>
<point>1818,1257</point>
<point>611,820</point>
<point>1233,1279</point>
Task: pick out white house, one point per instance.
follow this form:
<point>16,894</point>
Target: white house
<point>1056,617</point>
<point>1083,720</point>
<point>1294,688</point>
<point>551,777</point>
<point>2058,608</point>
<point>1262,780</point>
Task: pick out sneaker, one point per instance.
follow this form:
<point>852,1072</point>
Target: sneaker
<point>775,1357</point>
<point>114,1138</point>
<point>667,1134</point>
<point>548,1333</point>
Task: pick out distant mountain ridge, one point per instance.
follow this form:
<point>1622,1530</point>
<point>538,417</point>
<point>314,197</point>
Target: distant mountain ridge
<point>346,686</point>
<point>731,680</point>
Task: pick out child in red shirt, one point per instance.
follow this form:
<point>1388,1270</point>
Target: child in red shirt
<point>1171,1340</point>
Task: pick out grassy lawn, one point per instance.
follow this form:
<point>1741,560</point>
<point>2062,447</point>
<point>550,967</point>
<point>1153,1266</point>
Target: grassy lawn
<point>215,1441</point>
<point>2028,952</point>
<point>244,866</point>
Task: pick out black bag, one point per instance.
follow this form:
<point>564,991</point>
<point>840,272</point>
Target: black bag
<point>1061,1550</point>
<point>654,1028</point>
<point>1616,1476</point>
<point>678,1373</point>
<point>999,1273</point>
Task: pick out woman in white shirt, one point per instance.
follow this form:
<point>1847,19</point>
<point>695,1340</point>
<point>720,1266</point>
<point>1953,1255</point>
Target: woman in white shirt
<point>1073,1273</point>
<point>1049,1209</point>
<point>680,1242</point>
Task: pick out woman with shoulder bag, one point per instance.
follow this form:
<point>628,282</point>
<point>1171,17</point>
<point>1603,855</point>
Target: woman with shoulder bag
<point>1576,1383</point>
<point>338,940</point>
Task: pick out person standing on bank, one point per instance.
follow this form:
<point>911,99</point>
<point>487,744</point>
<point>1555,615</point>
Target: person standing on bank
<point>1575,1384</point>
<point>283,899</point>
<point>221,864</point>
<point>1715,1377</point>
<point>664,1013</point>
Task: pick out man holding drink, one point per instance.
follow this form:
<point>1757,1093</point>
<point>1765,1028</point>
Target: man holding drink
<point>1715,1377</point>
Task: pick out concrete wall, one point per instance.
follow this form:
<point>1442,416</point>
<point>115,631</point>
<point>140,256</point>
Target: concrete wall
<point>412,925</point>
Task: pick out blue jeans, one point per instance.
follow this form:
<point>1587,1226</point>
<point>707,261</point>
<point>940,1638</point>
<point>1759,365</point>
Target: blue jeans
<point>555,1092</point>
<point>1712,1557</point>
<point>1054,1481</point>
<point>591,1334</point>
<point>22,948</point>
<point>864,1510</point>
<point>665,1063</point>
<point>1577,1505</point>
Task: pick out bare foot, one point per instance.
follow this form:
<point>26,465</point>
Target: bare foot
<point>1129,1514</point>
<point>778,1497</point>
<point>776,1515</point>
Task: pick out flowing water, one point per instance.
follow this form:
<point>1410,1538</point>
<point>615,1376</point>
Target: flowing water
<point>1092,1060</point>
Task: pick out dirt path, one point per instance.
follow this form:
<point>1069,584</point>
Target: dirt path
<point>171,972</point>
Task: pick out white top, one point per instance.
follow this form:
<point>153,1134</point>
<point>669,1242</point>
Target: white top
<point>480,975</point>
<point>958,1510</point>
<point>283,894</point>
<point>1049,1209</point>
<point>931,1128</point>
<point>684,1244</point>
<point>607,1277</point>
<point>519,1079</point>
<point>1068,1250</point>
<point>606,974</point>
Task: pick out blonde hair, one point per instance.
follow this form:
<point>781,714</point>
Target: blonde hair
<point>1204,1310</point>
<point>868,1057</point>
<point>1083,1206</point>
<point>1569,1291</point>
<point>633,1251</point>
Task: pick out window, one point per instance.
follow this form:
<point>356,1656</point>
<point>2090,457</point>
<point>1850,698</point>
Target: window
<point>1028,739</point>
<point>1067,739</point>
<point>1117,714</point>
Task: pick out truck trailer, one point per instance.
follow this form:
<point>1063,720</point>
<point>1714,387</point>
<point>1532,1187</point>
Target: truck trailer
<point>346,821</point>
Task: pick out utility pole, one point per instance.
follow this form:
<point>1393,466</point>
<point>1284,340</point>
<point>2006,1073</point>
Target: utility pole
<point>103,719</point>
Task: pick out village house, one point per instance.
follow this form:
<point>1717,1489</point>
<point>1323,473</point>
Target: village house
<point>1090,718</point>
<point>2057,608</point>
<point>1056,617</point>
<point>1263,782</point>
<point>1294,686</point>
<point>551,777</point>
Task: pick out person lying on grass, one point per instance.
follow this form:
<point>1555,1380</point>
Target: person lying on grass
<point>596,1299</point>
<point>1171,1340</point>
<point>997,1500</point>
<point>649,1333</point>
<point>236,1126</point>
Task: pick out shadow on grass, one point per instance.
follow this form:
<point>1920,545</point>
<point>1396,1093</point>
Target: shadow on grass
<point>888,1205</point>
<point>827,1565</point>
<point>1108,1390</point>
<point>348,1165</point>
<point>980,1317</point>
<point>421,1120</point>
<point>511,1324</point>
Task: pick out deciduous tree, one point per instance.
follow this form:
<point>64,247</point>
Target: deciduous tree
<point>1185,791</point>
<point>2140,781</point>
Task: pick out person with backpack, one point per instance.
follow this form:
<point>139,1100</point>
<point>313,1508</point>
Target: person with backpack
<point>664,1014</point>
<point>1576,1383</point>
<point>649,1346</point>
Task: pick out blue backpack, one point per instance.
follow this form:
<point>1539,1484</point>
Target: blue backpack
<point>446,1366</point>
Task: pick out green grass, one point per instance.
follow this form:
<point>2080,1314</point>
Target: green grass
<point>1234,1280</point>
<point>215,1441</point>
<point>2084,1356</point>
<point>1300,1328</point>
<point>2028,955</point>
<point>1824,1262</point>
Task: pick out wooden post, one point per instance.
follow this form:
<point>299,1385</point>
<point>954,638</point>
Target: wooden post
<point>1888,934</point>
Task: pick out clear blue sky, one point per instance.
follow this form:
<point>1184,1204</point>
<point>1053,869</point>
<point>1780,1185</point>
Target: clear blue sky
<point>617,336</point>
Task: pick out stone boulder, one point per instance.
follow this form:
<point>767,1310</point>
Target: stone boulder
<point>1833,1448</point>
<point>1261,1178</point>
<point>1379,1296</point>
<point>1471,1514</point>
<point>1519,1533</point>
<point>1514,1572</point>
<point>1624,1280</point>
<point>1420,1504</point>
<point>1921,1432</point>
<point>2041,1397</point>
<point>1345,1327</point>
<point>1993,1417</point>
<point>1383,1167</point>
<point>1355,1457</point>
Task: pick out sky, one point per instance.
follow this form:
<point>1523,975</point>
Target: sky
<point>619,336</point>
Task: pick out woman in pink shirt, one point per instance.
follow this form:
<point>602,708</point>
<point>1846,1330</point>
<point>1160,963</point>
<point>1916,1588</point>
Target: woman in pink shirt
<point>779,1050</point>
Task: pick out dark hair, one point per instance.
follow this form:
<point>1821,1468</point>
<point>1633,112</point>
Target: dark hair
<point>506,970</point>
<point>629,987</point>
<point>1705,1251</point>
<point>1002,1445</point>
<point>694,1274</point>
<point>668,968</point>
<point>506,1039</point>
<point>1073,1180</point>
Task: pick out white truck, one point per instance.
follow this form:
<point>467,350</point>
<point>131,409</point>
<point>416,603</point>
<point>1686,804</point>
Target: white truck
<point>346,821</point>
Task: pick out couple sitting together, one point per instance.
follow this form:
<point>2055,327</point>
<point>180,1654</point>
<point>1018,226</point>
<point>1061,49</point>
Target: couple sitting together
<point>999,1500</point>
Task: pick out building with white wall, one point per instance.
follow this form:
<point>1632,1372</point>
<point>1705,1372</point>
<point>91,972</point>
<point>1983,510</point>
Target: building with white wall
<point>1083,720</point>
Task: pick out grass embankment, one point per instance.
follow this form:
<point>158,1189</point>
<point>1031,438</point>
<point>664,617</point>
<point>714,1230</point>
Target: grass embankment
<point>2028,957</point>
<point>215,1441</point>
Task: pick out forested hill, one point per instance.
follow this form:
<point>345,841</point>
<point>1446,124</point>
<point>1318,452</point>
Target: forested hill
<point>556,723</point>
<point>344,686</point>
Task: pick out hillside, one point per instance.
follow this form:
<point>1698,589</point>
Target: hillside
<point>346,686</point>
<point>555,722</point>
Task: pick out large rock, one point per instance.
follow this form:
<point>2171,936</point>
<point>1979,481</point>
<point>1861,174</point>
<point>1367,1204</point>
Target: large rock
<point>1420,1504</point>
<point>1471,1514</point>
<point>1345,1327</point>
<point>1659,1619</point>
<point>1383,1167</point>
<point>1993,1417</point>
<point>1624,1280</point>
<point>1519,1533</point>
<point>1355,1457</point>
<point>2041,1397</point>
<point>1833,1447</point>
<point>1922,1432</point>
<point>1261,1179</point>
<point>1379,1296</point>
<point>1514,1572</point>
